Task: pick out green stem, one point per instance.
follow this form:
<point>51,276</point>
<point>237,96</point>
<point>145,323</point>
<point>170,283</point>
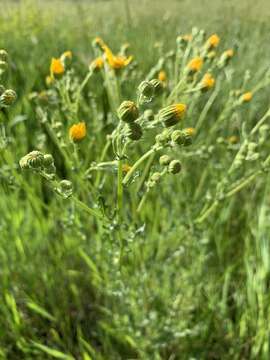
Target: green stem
<point>89,210</point>
<point>141,204</point>
<point>120,189</point>
<point>139,162</point>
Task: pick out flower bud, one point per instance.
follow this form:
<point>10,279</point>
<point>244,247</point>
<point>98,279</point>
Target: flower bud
<point>32,160</point>
<point>3,55</point>
<point>164,160</point>
<point>8,97</point>
<point>158,86</point>
<point>128,111</point>
<point>51,169</point>
<point>3,66</point>
<point>174,167</point>
<point>148,115</point>
<point>48,160</point>
<point>155,177</point>
<point>65,185</point>
<point>163,138</point>
<point>146,89</point>
<point>183,137</point>
<point>134,131</point>
<point>246,97</point>
<point>172,114</point>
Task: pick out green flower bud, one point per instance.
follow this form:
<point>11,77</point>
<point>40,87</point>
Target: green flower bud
<point>48,160</point>
<point>128,111</point>
<point>65,185</point>
<point>163,138</point>
<point>178,137</point>
<point>3,55</point>
<point>183,137</point>
<point>134,131</point>
<point>32,160</point>
<point>164,160</point>
<point>158,86</point>
<point>155,177</point>
<point>174,167</point>
<point>3,66</point>
<point>146,89</point>
<point>148,115</point>
<point>8,97</point>
<point>172,114</point>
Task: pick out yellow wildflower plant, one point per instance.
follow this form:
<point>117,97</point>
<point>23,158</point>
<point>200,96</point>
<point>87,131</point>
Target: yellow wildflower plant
<point>195,64</point>
<point>77,132</point>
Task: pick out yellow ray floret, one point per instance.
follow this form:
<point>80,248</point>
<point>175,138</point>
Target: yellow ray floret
<point>77,132</point>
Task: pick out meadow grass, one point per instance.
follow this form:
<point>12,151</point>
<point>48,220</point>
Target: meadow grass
<point>84,275</point>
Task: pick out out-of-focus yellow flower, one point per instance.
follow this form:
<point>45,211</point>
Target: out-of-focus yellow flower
<point>195,64</point>
<point>187,37</point>
<point>126,168</point>
<point>77,132</point>
<point>98,41</point>
<point>57,68</point>
<point>233,139</point>
<point>190,131</point>
<point>247,97</point>
<point>207,81</point>
<point>229,53</point>
<point>162,76</point>
<point>212,41</point>
<point>67,54</point>
<point>97,64</point>
<point>116,61</point>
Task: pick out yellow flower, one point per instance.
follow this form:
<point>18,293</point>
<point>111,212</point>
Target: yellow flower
<point>190,131</point>
<point>97,64</point>
<point>233,139</point>
<point>246,97</point>
<point>99,42</point>
<point>207,81</point>
<point>57,67</point>
<point>212,41</point>
<point>187,37</point>
<point>77,132</point>
<point>229,53</point>
<point>49,80</point>
<point>126,168</point>
<point>67,54</point>
<point>162,76</point>
<point>195,64</point>
<point>116,62</point>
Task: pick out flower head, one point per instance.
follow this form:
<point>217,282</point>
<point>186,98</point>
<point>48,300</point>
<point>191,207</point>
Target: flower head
<point>246,97</point>
<point>57,67</point>
<point>195,64</point>
<point>229,53</point>
<point>77,132</point>
<point>162,76</point>
<point>212,41</point>
<point>97,64</point>
<point>116,61</point>
<point>207,81</point>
